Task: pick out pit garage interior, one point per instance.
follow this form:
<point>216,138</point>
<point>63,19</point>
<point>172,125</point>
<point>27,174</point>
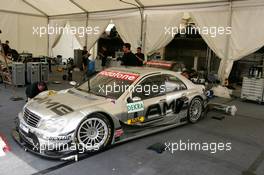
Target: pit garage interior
<point>217,43</point>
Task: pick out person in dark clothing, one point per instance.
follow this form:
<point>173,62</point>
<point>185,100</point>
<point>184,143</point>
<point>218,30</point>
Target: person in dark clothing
<point>103,56</point>
<point>85,55</point>
<point>128,59</point>
<point>35,88</point>
<point>6,48</point>
<point>140,56</point>
<point>186,74</point>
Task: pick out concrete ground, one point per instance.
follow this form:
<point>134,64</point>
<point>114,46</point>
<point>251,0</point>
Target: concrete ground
<point>244,131</point>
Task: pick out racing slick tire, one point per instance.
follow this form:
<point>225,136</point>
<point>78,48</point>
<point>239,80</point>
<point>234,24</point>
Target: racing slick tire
<point>94,133</point>
<point>195,110</point>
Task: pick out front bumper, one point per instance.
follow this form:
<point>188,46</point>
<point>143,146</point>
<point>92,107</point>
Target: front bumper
<point>27,146</point>
<point>32,140</point>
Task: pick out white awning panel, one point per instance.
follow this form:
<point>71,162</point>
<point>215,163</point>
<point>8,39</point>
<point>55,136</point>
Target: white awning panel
<point>57,7</point>
<point>17,6</point>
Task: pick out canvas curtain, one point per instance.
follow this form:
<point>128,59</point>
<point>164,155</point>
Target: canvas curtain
<point>18,29</point>
<point>155,29</point>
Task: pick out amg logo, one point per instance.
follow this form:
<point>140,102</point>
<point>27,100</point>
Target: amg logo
<point>175,106</point>
<point>56,107</point>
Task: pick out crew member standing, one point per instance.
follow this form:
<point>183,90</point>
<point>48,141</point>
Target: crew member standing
<point>140,56</point>
<point>128,59</point>
<point>85,56</point>
<point>103,56</point>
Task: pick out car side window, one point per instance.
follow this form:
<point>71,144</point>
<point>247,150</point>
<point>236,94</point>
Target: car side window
<point>173,84</point>
<point>150,87</point>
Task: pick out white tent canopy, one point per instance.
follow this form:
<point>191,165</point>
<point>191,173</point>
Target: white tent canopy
<point>17,17</point>
<point>62,7</point>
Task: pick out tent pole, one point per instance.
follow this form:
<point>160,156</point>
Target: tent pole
<point>144,36</point>
<point>79,6</point>
<point>140,7</point>
<point>141,10</point>
<point>21,13</point>
<point>87,23</point>
<point>48,38</point>
<point>87,16</point>
<point>40,11</point>
<point>222,78</point>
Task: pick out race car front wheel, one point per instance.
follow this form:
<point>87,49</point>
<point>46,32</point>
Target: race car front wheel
<point>94,133</point>
<point>195,110</point>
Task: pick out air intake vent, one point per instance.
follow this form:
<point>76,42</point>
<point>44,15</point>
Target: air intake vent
<point>31,118</point>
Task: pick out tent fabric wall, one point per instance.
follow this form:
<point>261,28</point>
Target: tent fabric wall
<point>18,29</point>
<point>9,27</point>
<point>247,35</point>
<point>242,40</point>
<point>101,25</point>
<point>156,36</point>
<point>209,20</point>
<point>79,24</point>
<point>66,45</point>
<point>76,23</point>
<point>127,23</point>
<point>18,6</point>
<point>129,29</point>
<point>27,41</point>
<point>55,36</point>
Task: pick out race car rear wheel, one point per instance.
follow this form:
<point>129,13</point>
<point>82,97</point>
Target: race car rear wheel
<point>195,110</point>
<point>94,133</point>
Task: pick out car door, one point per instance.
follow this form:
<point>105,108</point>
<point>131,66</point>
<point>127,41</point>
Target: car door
<point>176,97</point>
<point>149,94</point>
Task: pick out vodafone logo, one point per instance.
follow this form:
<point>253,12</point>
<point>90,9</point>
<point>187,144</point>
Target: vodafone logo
<point>120,75</point>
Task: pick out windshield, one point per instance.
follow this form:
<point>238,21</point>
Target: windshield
<point>109,84</point>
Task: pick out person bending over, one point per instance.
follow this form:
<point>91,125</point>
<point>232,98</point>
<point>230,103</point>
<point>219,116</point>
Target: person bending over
<point>34,89</point>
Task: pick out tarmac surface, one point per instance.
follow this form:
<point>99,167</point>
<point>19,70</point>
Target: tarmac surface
<point>243,133</point>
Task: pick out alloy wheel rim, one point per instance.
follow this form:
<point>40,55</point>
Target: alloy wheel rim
<point>195,110</point>
<point>92,133</point>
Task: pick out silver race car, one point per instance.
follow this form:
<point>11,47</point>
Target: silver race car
<point>116,105</point>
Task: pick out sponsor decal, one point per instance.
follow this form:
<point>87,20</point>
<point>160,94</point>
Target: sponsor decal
<point>52,93</point>
<point>132,121</point>
<point>120,75</point>
<point>175,106</point>
<point>56,107</point>
<point>159,64</point>
<point>119,133</point>
<point>59,138</point>
<point>135,107</point>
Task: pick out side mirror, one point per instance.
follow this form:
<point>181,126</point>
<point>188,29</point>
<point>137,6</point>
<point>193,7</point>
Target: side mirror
<point>134,99</point>
<point>74,83</point>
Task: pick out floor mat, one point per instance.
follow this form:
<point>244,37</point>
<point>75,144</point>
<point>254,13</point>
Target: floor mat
<point>157,147</point>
